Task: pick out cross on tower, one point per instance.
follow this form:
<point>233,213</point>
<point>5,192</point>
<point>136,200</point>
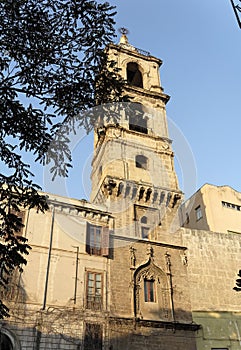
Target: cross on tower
<point>123,31</point>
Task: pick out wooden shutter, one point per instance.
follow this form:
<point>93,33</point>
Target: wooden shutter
<point>87,243</point>
<point>105,241</point>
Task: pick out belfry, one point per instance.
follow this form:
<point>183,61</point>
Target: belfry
<point>133,165</point>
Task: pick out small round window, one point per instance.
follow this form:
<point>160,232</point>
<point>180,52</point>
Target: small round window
<point>144,220</point>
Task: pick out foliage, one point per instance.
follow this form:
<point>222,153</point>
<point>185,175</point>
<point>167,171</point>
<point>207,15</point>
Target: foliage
<point>53,66</point>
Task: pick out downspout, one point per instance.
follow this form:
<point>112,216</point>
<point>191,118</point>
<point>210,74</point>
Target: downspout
<point>76,274</point>
<point>169,273</point>
<point>49,260</point>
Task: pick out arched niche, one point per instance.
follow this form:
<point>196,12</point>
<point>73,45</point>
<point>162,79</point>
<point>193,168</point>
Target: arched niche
<point>152,299</point>
<point>134,75</point>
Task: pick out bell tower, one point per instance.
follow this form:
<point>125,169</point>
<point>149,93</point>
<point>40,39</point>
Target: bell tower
<point>133,165</point>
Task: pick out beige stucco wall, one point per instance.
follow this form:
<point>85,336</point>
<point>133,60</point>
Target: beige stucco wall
<point>215,216</point>
<point>68,233</point>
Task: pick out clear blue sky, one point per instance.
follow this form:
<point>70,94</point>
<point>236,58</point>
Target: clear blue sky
<point>200,45</point>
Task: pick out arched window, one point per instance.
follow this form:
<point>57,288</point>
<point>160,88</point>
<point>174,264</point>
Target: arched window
<point>137,120</point>
<point>134,76</point>
<point>141,161</point>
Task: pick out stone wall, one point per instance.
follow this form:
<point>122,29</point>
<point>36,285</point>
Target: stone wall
<point>214,260</point>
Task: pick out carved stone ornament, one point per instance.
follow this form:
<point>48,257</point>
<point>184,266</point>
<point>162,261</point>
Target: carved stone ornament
<point>150,271</point>
<point>184,260</point>
<point>132,257</point>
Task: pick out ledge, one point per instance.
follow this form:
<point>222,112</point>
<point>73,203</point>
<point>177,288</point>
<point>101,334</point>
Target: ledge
<point>193,327</point>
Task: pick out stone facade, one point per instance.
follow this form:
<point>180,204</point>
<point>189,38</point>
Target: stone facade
<point>213,262</point>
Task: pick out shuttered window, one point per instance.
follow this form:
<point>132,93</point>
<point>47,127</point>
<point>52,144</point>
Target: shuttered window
<point>94,291</point>
<point>97,240</point>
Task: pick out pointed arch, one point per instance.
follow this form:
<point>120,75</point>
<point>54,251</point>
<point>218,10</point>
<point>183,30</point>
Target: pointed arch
<point>151,292</point>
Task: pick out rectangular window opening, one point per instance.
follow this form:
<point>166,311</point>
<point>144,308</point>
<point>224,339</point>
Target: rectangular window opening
<point>149,290</point>
<point>94,291</point>
<point>93,336</point>
<point>97,240</point>
<point>144,232</point>
<point>231,206</point>
<point>198,211</point>
<point>138,128</point>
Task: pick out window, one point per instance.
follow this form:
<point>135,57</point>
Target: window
<point>144,232</point>
<point>144,228</point>
<point>144,220</point>
<point>93,336</point>
<point>97,240</point>
<point>137,119</point>
<point>138,123</point>
<point>231,206</point>
<point>134,76</point>
<point>94,291</point>
<point>149,290</point>
<point>94,238</point>
<point>198,211</point>
<point>141,162</point>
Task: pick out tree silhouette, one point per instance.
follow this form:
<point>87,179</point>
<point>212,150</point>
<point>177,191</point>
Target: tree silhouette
<point>53,66</point>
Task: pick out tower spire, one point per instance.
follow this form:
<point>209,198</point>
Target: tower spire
<point>124,39</point>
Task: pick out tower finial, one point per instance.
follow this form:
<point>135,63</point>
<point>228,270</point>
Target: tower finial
<point>124,31</point>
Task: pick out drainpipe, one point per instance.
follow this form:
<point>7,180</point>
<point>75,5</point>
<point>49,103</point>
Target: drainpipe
<point>49,260</point>
<point>169,273</point>
<point>76,274</point>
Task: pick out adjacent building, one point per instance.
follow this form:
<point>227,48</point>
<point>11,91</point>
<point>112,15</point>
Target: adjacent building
<point>212,222</point>
<point>213,208</point>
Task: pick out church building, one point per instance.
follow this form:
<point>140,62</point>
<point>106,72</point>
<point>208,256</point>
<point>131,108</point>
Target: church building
<point>118,272</point>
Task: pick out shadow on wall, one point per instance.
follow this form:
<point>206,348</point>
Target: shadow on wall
<point>193,213</point>
<point>15,292</point>
<point>74,329</point>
